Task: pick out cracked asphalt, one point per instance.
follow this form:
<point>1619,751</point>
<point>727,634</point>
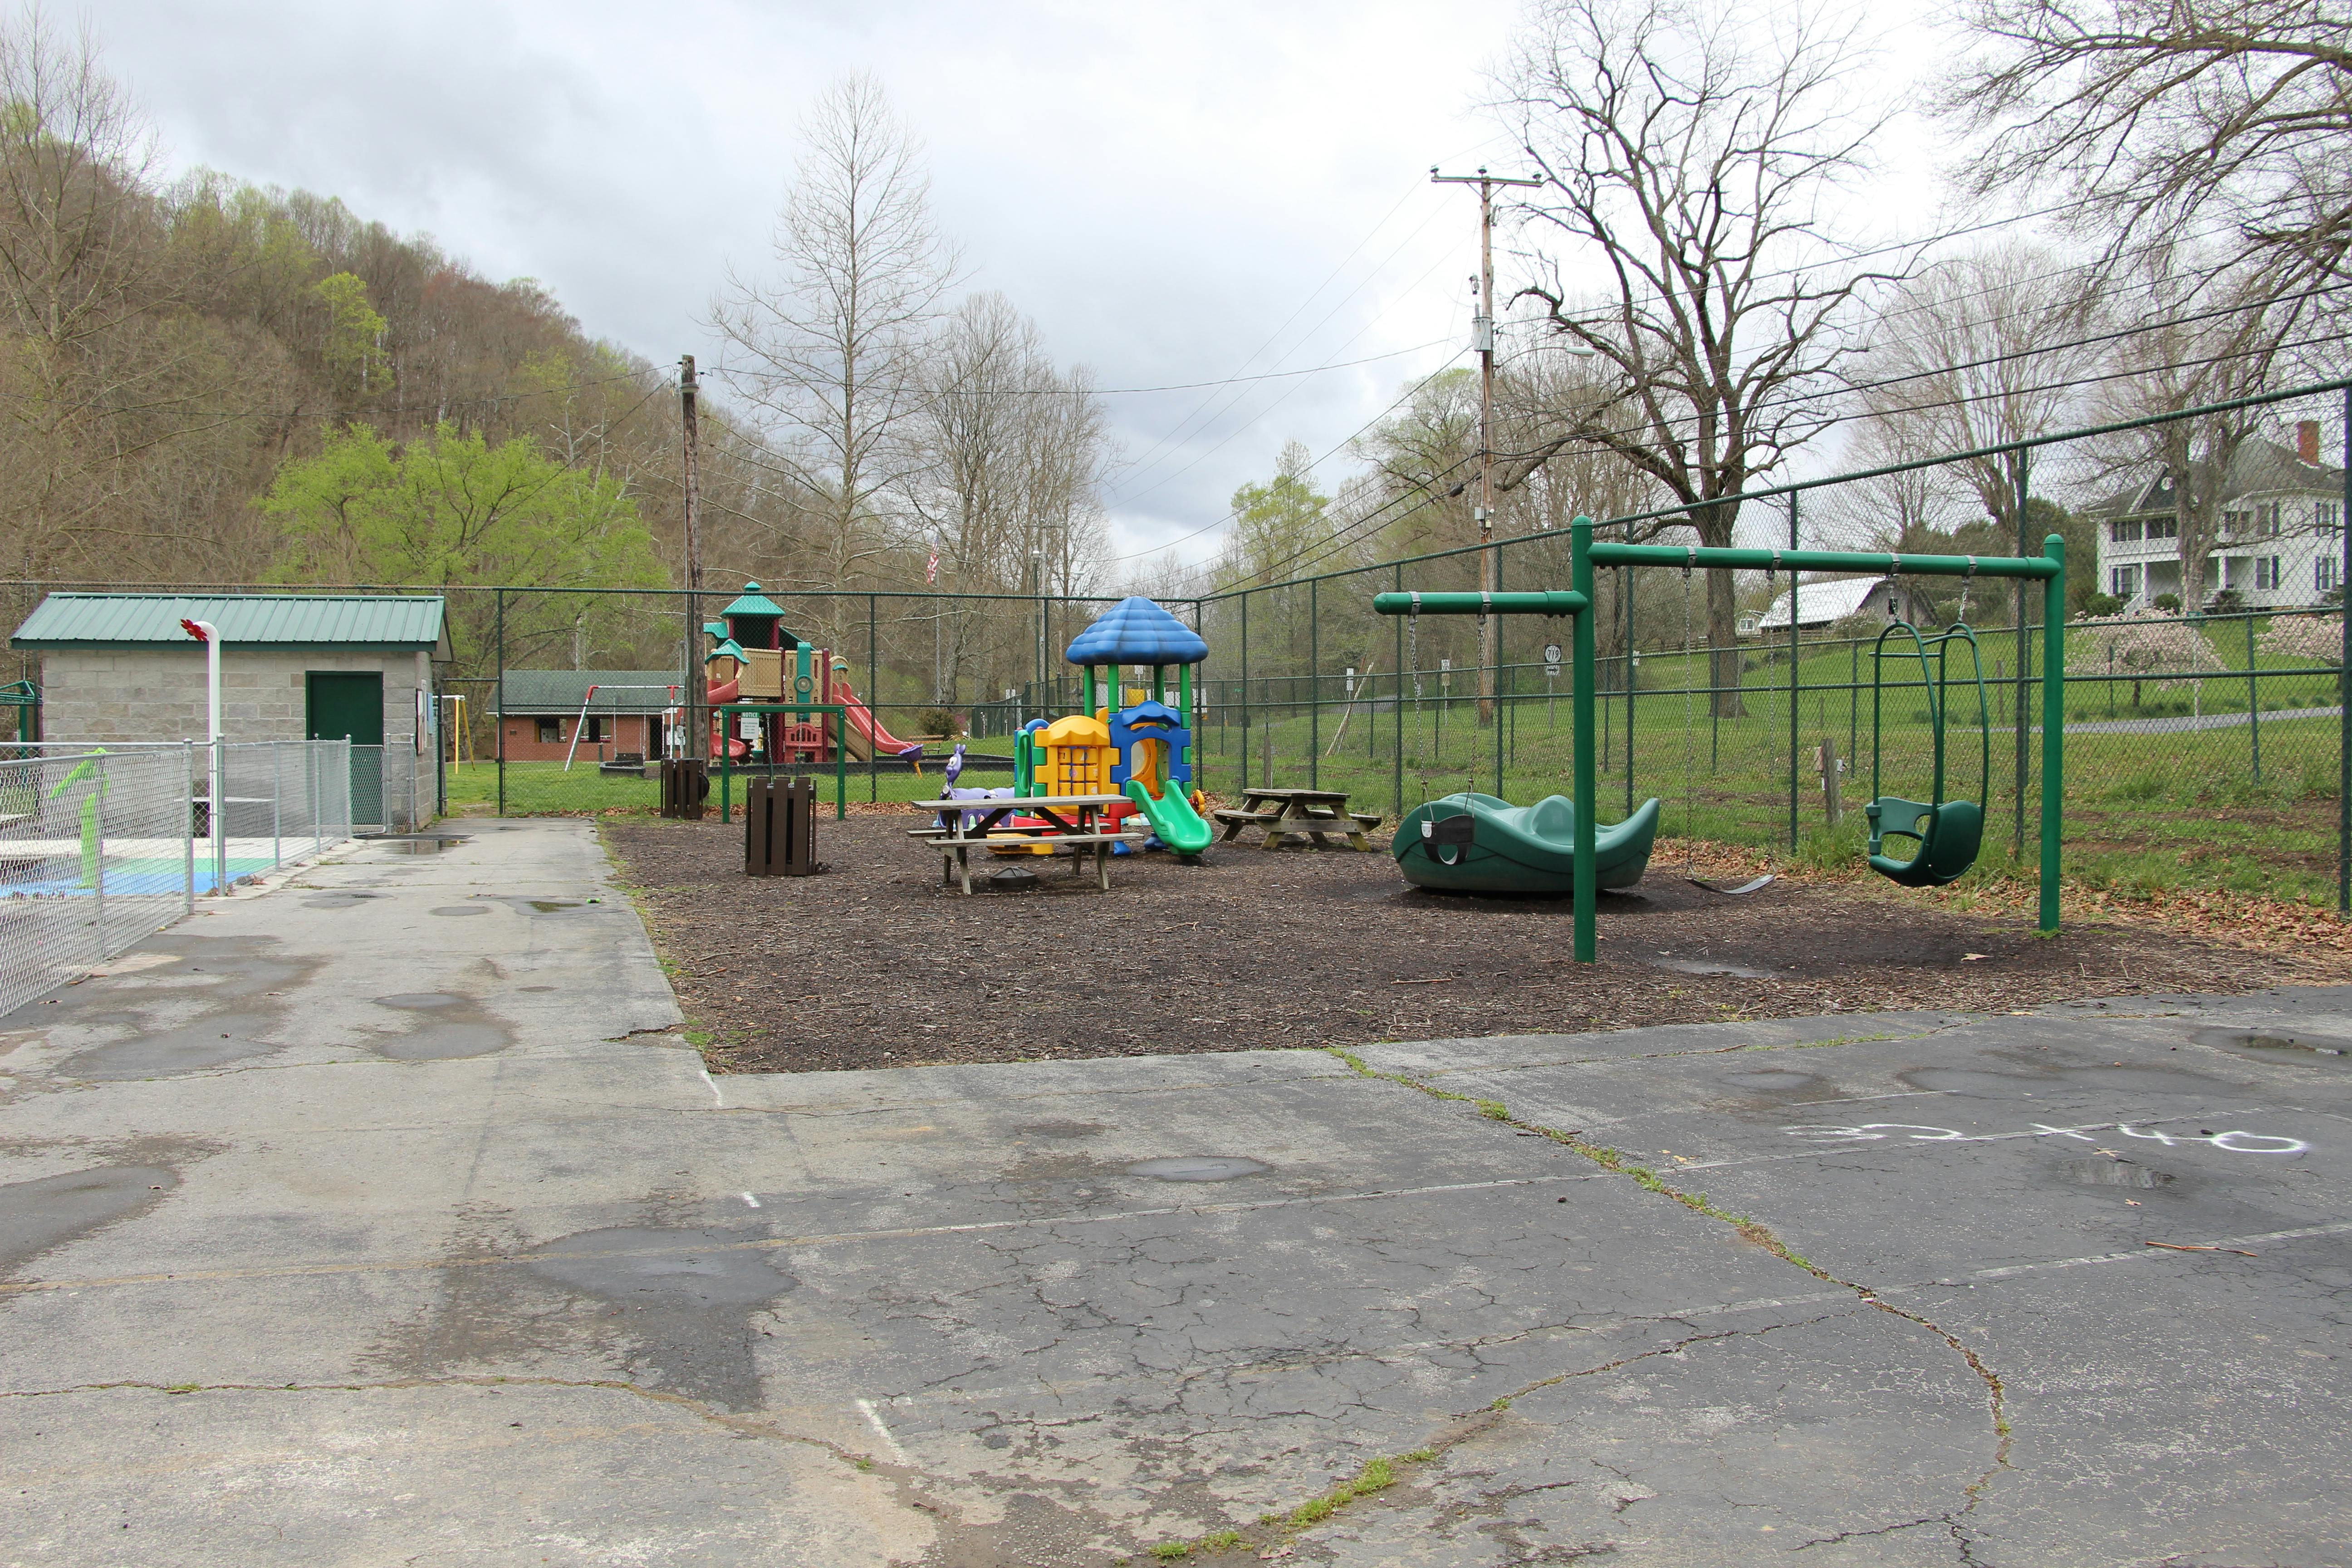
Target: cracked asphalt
<point>334,1229</point>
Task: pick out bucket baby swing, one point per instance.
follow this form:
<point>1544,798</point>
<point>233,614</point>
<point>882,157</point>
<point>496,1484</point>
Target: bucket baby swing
<point>1945,834</point>
<point>1948,831</point>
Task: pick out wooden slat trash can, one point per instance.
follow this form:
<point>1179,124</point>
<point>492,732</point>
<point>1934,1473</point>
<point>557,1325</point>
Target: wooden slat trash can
<point>780,827</point>
<point>684,785</point>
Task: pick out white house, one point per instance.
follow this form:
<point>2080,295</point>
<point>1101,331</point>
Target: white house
<point>2281,543</point>
<point>1831,600</point>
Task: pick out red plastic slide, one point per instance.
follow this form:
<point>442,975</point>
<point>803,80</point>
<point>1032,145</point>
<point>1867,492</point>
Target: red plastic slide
<point>864,734</point>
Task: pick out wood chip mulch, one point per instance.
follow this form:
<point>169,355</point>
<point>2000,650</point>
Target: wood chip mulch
<point>876,963</point>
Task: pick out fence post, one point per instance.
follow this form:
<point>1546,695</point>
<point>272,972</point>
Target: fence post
<point>1314,684</point>
<point>277,809</point>
<point>1586,888</point>
<point>872,710</point>
<point>2024,650</point>
<point>220,817</point>
<point>499,695</point>
<point>2053,725</point>
<point>188,825</point>
<point>1493,678</point>
<point>1795,650</point>
<point>98,850</point>
<point>1246,690</point>
<point>2344,682</point>
<point>2253,703</point>
<point>1396,730</point>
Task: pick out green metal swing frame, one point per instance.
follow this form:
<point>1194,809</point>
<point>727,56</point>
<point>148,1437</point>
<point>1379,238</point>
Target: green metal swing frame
<point>1949,833</point>
<point>1585,552</point>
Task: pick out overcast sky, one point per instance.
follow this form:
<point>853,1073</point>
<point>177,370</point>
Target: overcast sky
<point>1175,193</point>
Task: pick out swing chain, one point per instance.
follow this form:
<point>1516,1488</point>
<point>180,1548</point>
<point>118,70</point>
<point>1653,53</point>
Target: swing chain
<point>1412,646</point>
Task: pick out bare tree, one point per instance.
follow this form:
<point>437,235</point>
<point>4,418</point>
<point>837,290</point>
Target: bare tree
<point>2215,335</point>
<point>1982,352</point>
<point>836,347</point>
<point>2171,117</point>
<point>1694,167</point>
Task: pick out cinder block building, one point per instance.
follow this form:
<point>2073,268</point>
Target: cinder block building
<point>119,667</point>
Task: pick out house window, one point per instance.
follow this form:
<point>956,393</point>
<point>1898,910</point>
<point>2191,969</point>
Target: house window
<point>2124,531</point>
<point>2323,574</point>
<point>2123,582</point>
<point>2164,528</point>
<point>2327,516</point>
<point>550,732</point>
<point>2266,573</point>
<point>595,727</point>
<point>2233,520</point>
<point>2272,516</point>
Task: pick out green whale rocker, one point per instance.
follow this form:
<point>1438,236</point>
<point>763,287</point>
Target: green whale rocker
<point>1476,844</point>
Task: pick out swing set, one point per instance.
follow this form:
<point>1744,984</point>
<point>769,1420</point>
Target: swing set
<point>1946,831</point>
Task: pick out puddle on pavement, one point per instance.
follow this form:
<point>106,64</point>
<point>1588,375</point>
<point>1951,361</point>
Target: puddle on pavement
<point>209,1042</point>
<point>1058,1130</point>
<point>452,1027</point>
<point>549,906</point>
<point>38,1215</point>
<point>2279,1045</point>
<point>1773,1081</point>
<point>1195,1168</point>
<point>455,910</point>
<point>338,901</point>
<point>2102,1172</point>
<point>678,1296</point>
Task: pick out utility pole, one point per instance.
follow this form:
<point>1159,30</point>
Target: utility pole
<point>1482,338</point>
<point>696,694</point>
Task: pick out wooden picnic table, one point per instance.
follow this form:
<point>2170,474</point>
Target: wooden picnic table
<point>1288,812</point>
<point>1076,820</point>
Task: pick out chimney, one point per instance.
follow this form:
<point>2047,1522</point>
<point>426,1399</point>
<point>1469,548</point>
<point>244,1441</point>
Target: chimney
<point>2307,441</point>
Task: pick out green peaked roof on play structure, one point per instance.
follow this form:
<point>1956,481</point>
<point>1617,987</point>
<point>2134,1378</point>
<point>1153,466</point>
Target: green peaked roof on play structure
<point>1137,631</point>
<point>754,603</point>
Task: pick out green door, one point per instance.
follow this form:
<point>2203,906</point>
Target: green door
<point>348,704</point>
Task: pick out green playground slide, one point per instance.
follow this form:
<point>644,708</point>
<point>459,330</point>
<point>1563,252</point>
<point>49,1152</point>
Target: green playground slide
<point>1477,844</point>
<point>1171,817</point>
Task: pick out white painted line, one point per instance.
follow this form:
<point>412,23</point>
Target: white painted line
<point>890,1444</point>
<point>751,1201</point>
<point>720,1099</point>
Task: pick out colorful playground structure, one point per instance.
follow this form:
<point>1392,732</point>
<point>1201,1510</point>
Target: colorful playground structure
<point>757,659</point>
<point>1126,742</point>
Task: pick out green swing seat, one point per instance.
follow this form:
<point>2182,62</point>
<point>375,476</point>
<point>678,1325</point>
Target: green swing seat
<point>1948,837</point>
<point>1949,833</point>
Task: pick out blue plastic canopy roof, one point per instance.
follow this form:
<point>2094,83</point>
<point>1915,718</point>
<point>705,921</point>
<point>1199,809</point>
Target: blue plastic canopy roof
<point>1137,631</point>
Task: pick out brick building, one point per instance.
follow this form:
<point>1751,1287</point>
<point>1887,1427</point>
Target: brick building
<point>540,712</point>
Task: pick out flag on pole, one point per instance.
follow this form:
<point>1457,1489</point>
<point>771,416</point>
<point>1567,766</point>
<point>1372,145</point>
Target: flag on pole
<point>931,573</point>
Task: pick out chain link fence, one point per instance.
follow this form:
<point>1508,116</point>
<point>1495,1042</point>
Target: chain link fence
<point>2205,725</point>
<point>100,848</point>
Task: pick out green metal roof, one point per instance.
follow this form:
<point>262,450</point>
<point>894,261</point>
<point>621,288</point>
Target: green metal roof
<point>266,620</point>
<point>551,691</point>
<point>754,603</point>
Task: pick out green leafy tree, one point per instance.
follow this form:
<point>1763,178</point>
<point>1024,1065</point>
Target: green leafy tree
<point>452,510</point>
<point>355,333</point>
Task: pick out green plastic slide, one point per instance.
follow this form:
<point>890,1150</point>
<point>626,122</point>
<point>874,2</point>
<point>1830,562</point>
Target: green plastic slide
<point>1477,844</point>
<point>1171,817</point>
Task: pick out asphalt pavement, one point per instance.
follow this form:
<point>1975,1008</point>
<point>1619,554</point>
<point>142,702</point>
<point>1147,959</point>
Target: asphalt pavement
<point>387,1217</point>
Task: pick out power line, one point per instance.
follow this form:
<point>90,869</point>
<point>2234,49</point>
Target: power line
<point>1133,390</point>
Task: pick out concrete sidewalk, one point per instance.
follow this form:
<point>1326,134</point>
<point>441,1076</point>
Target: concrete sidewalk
<point>378,1220</point>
